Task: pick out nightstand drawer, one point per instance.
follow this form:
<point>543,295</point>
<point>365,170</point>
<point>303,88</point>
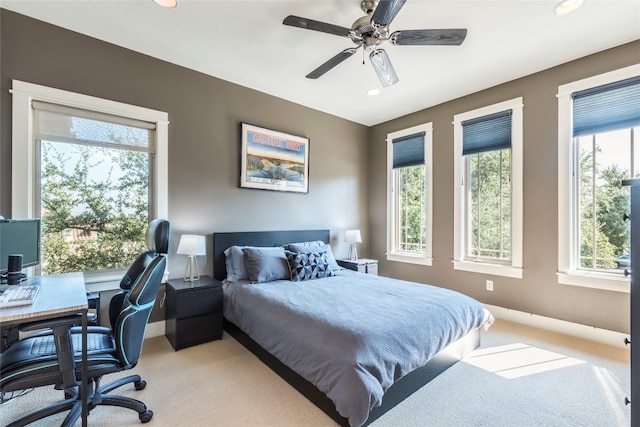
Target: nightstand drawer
<point>198,301</point>
<point>197,330</point>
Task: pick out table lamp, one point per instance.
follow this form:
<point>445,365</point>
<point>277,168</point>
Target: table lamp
<point>192,245</point>
<point>353,237</point>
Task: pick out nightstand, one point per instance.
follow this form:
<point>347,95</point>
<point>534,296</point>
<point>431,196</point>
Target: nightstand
<point>369,266</point>
<point>194,311</point>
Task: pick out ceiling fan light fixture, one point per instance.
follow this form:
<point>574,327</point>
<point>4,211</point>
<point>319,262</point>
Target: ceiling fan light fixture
<point>567,6</point>
<point>167,3</point>
<point>373,92</point>
<point>381,63</point>
<point>368,6</point>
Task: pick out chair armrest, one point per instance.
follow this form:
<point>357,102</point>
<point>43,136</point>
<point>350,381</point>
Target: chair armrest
<point>72,320</point>
<point>58,330</point>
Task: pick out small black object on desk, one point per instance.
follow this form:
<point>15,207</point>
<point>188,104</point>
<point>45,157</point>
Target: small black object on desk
<point>14,270</point>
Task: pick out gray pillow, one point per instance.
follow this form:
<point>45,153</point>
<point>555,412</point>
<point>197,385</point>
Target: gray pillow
<point>265,264</point>
<point>315,246</point>
<point>234,261</point>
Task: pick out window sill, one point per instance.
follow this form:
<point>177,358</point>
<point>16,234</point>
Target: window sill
<point>103,281</point>
<point>410,258</point>
<point>103,286</point>
<point>486,268</point>
<point>604,281</point>
<point>108,282</point>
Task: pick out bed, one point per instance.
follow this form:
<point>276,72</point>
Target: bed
<point>353,344</point>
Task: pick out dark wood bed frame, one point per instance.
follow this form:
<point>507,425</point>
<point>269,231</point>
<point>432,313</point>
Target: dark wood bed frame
<point>396,394</point>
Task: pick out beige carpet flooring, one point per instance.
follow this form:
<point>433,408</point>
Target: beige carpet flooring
<point>520,376</point>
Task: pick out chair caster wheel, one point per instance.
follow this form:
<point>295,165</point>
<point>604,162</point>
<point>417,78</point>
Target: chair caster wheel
<point>140,384</point>
<point>145,417</point>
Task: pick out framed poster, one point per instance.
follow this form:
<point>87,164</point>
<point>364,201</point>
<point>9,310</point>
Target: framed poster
<point>272,160</point>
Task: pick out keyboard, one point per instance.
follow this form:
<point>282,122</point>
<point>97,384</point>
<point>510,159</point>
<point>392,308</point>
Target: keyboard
<point>13,295</point>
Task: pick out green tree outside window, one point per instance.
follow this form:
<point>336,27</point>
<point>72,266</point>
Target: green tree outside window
<point>94,206</point>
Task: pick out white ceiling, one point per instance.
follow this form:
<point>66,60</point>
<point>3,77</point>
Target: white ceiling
<point>245,42</point>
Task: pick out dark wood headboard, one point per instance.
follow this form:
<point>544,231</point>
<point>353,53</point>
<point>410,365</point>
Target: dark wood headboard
<point>222,241</point>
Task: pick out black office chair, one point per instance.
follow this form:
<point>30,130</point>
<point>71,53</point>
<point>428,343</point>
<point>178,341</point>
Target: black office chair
<point>54,357</point>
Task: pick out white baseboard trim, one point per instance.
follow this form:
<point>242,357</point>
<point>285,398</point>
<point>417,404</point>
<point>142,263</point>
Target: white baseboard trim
<point>591,333</point>
<point>154,329</point>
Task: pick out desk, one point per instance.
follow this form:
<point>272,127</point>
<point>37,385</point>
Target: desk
<point>59,295</point>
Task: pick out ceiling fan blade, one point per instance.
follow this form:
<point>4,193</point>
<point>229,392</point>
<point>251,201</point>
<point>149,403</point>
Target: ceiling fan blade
<point>449,37</point>
<point>310,24</point>
<point>384,69</point>
<point>386,11</point>
<point>331,63</point>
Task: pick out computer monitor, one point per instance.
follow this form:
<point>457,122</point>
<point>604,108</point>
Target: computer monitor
<point>19,236</point>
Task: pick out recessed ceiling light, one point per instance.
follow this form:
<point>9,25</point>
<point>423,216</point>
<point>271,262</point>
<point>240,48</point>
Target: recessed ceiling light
<point>567,6</point>
<point>373,92</point>
<point>167,3</point>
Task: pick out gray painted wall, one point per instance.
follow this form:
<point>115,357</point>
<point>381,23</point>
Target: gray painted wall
<point>204,136</point>
<point>348,161</point>
<point>538,291</point>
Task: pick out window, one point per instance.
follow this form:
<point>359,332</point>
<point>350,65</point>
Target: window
<point>409,189</point>
<point>94,171</point>
<point>599,146</point>
<point>488,190</point>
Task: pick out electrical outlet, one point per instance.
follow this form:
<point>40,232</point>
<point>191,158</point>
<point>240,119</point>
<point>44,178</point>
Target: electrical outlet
<point>490,285</point>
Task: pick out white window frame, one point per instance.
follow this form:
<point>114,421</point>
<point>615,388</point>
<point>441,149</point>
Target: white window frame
<point>568,272</point>
<point>513,270</point>
<point>25,164</point>
<point>393,252</point>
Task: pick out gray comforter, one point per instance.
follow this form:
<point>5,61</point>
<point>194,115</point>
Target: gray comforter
<point>352,335</point>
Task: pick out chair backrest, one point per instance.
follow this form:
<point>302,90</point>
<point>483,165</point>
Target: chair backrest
<point>130,309</point>
<point>132,322</point>
<point>157,240</point>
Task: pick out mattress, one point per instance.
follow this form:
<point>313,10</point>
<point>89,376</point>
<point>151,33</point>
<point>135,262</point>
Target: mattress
<point>352,335</point>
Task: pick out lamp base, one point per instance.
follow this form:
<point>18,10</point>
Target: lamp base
<point>191,272</point>
<point>353,252</point>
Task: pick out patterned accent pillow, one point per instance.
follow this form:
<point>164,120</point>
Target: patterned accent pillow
<point>315,246</point>
<point>308,265</point>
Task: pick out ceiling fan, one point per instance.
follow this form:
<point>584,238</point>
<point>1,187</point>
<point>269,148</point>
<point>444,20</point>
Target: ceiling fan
<point>373,29</point>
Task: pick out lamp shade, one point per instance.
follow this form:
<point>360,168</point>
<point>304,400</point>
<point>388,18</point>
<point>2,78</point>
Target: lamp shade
<point>352,236</point>
<point>191,244</point>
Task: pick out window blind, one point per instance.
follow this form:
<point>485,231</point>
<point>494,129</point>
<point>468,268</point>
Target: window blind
<point>608,107</point>
<point>486,133</point>
<point>408,150</point>
<point>67,124</point>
